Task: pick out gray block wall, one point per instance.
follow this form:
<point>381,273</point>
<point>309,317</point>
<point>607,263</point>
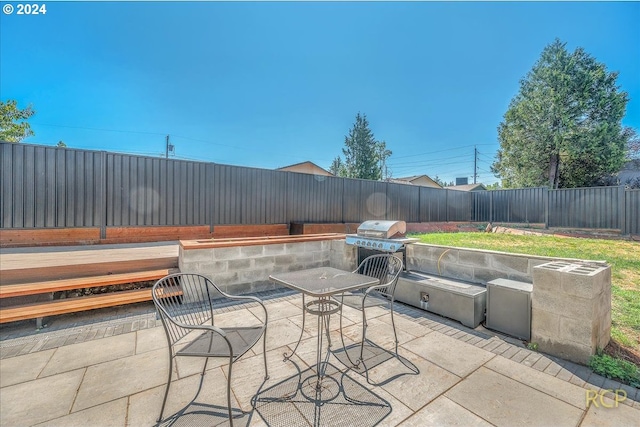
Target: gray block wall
<point>245,269</point>
<point>472,265</point>
<point>571,309</point>
<point>571,306</point>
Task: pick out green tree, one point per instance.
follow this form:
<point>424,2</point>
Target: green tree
<point>563,129</point>
<point>13,125</point>
<point>364,156</point>
<point>338,168</point>
<point>61,144</point>
<point>633,143</point>
<point>442,183</point>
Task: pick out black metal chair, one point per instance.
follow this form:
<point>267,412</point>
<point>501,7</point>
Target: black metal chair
<point>187,303</point>
<point>386,268</point>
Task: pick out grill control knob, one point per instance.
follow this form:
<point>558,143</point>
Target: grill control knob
<point>368,244</point>
<point>393,247</point>
<point>379,245</point>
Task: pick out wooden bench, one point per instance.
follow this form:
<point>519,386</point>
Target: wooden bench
<point>39,310</point>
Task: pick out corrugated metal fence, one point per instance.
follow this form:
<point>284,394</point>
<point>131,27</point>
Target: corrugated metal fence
<point>58,187</point>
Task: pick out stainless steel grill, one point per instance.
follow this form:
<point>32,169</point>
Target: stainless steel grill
<point>380,236</point>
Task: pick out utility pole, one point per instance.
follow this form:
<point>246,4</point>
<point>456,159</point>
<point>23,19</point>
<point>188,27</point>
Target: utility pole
<point>475,164</point>
<point>169,148</point>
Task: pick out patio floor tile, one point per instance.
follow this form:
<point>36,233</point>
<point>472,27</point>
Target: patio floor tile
<point>444,412</point>
<point>36,401</point>
<point>614,416</point>
<point>119,378</point>
<point>456,356</point>
<point>111,414</point>
<point>540,381</point>
<point>81,355</point>
<point>505,402</point>
<point>17,370</point>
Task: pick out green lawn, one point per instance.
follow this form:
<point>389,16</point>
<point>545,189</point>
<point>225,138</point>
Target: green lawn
<point>623,256</point>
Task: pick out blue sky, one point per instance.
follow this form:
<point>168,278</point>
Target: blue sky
<point>266,84</point>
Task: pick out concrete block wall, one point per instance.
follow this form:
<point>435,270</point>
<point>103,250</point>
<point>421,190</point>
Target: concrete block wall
<point>571,299</point>
<point>343,256</point>
<point>245,269</point>
<point>571,309</point>
<point>473,265</point>
<point>571,306</point>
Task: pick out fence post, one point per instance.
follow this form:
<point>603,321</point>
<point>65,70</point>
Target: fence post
<point>546,196</point>
<point>491,206</point>
<point>211,188</point>
<point>103,196</point>
<point>622,210</point>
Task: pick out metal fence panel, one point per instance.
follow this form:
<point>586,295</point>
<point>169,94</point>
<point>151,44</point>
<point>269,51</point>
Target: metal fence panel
<point>596,207</point>
<point>482,205</point>
<point>249,196</point>
<point>404,202</point>
<point>632,212</point>
<point>59,187</point>
<point>373,201</point>
<point>525,205</point>
<point>153,191</point>
<point>50,187</point>
<point>351,208</point>
<point>433,204</point>
<point>314,198</point>
<point>458,205</point>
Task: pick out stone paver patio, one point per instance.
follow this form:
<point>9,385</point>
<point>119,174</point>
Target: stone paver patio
<point>102,371</point>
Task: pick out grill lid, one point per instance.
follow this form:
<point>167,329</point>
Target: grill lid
<point>382,229</point>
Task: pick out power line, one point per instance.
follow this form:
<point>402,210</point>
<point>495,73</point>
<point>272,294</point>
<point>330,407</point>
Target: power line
<point>441,151</point>
<point>98,129</point>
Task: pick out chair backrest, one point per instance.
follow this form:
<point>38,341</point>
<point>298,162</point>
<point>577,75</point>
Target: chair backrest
<point>186,299</point>
<point>384,267</point>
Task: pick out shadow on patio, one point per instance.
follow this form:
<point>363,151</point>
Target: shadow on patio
<point>113,372</point>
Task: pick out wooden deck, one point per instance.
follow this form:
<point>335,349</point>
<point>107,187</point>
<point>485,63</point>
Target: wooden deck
<point>23,265</point>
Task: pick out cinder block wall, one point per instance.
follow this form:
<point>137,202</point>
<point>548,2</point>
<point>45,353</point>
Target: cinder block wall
<point>244,269</point>
<point>473,265</point>
<point>571,299</point>
<point>571,309</point>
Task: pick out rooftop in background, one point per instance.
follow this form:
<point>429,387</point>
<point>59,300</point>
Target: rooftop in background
<point>467,187</point>
<point>306,167</point>
<point>422,180</point>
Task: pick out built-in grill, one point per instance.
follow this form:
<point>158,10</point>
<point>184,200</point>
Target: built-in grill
<point>380,236</point>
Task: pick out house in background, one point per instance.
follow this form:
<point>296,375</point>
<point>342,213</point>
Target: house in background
<point>630,171</point>
<point>306,167</point>
<point>467,187</point>
<point>421,180</point>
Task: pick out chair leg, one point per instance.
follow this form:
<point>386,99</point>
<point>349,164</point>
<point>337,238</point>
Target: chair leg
<point>264,352</point>
<point>229,392</point>
<point>344,347</point>
<point>364,333</point>
<point>393,324</point>
<point>166,392</point>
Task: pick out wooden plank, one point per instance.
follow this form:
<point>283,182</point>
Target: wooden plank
<point>252,230</point>
<point>267,240</point>
<point>156,230</point>
<point>49,236</point>
<point>320,228</point>
<point>72,305</point>
<point>155,234</point>
<point>7,291</point>
<point>27,275</point>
